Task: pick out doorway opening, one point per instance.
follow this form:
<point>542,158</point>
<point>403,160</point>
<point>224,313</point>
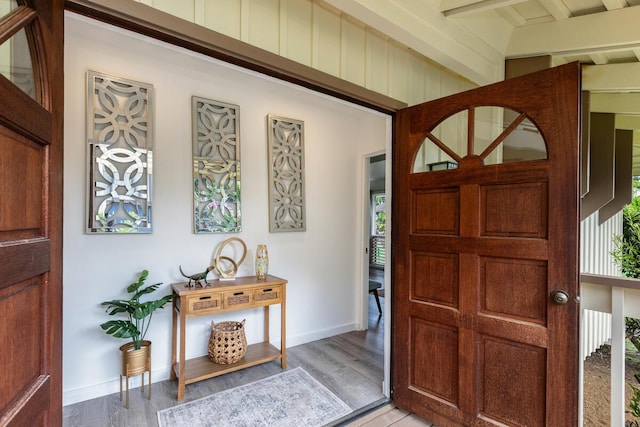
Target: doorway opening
<point>376,283</point>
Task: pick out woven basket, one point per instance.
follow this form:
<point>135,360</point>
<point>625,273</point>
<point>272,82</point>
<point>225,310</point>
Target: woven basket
<point>227,343</point>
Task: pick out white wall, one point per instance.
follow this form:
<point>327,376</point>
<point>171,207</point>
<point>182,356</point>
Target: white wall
<point>321,264</point>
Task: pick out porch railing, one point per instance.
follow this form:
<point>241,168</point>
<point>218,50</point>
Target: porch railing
<point>377,252</point>
<point>605,302</point>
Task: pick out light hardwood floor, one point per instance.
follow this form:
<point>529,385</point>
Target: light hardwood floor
<point>350,365</point>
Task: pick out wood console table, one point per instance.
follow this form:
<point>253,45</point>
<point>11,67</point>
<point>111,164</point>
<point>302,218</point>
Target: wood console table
<point>222,296</point>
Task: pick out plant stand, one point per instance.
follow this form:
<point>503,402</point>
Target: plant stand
<point>135,362</point>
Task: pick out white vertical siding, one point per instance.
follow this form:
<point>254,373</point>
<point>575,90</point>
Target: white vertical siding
<point>182,9</point>
<point>377,62</point>
<point>399,72</point>
<point>326,40</point>
<point>264,24</point>
<point>295,18</point>
<point>313,33</point>
<point>223,15</point>
<point>353,51</point>
<point>596,244</point>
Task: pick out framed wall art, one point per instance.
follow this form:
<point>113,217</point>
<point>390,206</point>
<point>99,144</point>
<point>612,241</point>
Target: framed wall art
<point>286,174</point>
<point>216,166</point>
<point>120,140</point>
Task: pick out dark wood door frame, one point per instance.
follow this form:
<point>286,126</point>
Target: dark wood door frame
<point>31,151</point>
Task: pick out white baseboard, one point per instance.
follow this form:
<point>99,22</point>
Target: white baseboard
<point>70,397</point>
<point>294,340</point>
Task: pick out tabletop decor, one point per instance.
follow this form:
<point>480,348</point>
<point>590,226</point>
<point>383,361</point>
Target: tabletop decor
<point>262,262</point>
<point>225,266</point>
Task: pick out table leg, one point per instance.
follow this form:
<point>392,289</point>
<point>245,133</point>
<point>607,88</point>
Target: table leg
<point>283,329</point>
<point>182,367</point>
<point>174,339</point>
<point>266,323</point>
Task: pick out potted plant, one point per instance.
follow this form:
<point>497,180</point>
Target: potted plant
<point>136,355</point>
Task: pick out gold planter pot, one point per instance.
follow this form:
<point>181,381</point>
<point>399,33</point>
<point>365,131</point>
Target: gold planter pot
<point>135,362</point>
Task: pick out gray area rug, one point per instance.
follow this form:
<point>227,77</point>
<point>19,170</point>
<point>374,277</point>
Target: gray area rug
<point>290,399</point>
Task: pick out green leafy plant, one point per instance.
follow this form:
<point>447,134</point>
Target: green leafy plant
<point>626,254</point>
<point>139,313</point>
<point>634,405</point>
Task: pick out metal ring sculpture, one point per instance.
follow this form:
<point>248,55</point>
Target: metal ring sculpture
<point>233,270</point>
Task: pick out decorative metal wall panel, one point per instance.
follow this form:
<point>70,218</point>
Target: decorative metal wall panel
<point>286,174</point>
<point>216,166</point>
<point>120,141</point>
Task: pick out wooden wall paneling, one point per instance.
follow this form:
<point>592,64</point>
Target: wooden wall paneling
<point>223,16</point>
<point>315,34</point>
<point>296,20</point>
<point>453,83</point>
<point>199,12</point>
<point>244,20</point>
<point>432,81</point>
<point>399,65</point>
<point>377,55</point>
<point>150,22</point>
<point>326,40</point>
<point>601,163</point>
<point>417,82</point>
<point>264,24</point>
<point>353,58</point>
<point>623,191</point>
<point>183,9</point>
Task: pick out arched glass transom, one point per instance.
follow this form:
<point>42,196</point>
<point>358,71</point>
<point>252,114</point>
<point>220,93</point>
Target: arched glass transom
<point>15,47</point>
<point>482,136</point>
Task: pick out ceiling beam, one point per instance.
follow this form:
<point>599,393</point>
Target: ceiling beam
<point>611,77</point>
<point>576,36</point>
<point>614,4</point>
<point>477,6</point>
<point>512,16</point>
<point>556,8</point>
<point>420,26</point>
<point>599,58</point>
<point>618,103</point>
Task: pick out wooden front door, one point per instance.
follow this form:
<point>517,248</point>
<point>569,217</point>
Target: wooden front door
<point>31,112</point>
<point>481,335</point>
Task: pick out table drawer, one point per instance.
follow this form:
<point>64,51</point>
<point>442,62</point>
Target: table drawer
<point>238,299</point>
<point>203,304</point>
<point>268,295</point>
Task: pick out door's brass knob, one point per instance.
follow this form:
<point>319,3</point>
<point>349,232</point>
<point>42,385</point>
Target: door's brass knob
<point>559,297</point>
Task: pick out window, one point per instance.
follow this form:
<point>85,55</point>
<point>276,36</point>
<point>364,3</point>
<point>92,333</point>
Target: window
<point>378,229</point>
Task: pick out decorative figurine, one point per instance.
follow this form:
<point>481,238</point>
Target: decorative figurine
<point>198,277</point>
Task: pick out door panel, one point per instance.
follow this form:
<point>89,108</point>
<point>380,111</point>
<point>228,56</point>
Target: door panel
<point>478,249</point>
<point>31,110</point>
